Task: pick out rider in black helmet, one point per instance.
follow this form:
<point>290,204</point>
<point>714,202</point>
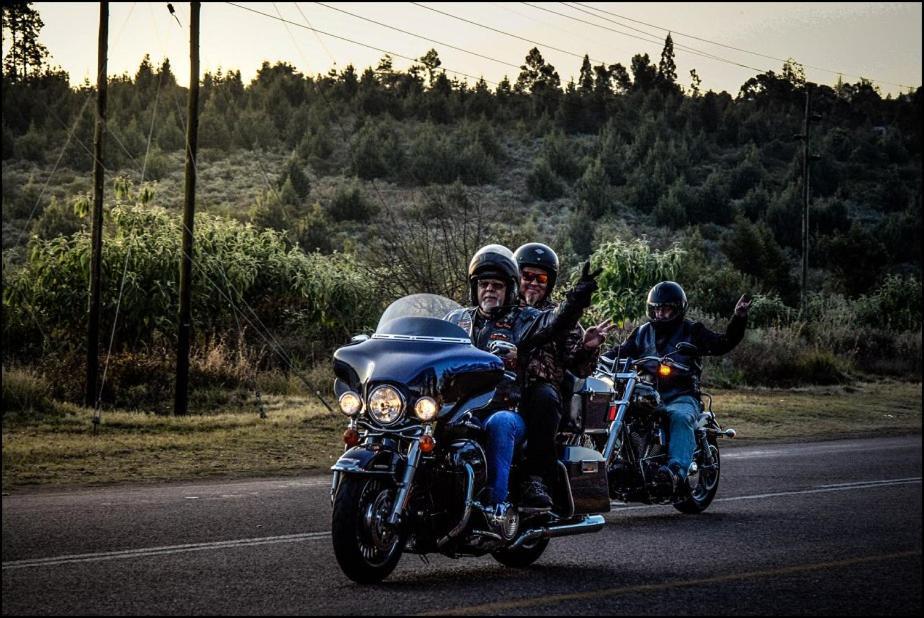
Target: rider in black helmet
<point>497,323</point>
<point>666,327</point>
<point>576,352</point>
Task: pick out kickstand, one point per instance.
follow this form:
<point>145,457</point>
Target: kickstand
<point>424,559</point>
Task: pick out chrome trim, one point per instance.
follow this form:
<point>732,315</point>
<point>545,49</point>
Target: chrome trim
<point>564,470</point>
<point>404,491</point>
<point>591,523</point>
<point>423,338</point>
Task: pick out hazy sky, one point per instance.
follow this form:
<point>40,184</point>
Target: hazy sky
<point>879,41</point>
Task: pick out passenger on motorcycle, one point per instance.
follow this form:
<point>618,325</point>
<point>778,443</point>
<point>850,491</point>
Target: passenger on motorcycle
<point>667,326</point>
<point>576,351</point>
<point>496,323</point>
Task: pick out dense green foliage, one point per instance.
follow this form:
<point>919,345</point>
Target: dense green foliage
<point>335,193</point>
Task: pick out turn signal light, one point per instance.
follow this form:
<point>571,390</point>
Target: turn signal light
<point>427,444</point>
<point>664,371</point>
<point>351,437</point>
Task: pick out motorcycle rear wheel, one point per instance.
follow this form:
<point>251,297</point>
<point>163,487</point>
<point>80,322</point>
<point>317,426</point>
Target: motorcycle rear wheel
<point>521,557</point>
<point>366,549</point>
<point>706,488</point>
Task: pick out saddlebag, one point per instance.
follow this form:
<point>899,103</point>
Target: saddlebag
<point>587,476</point>
<point>591,403</point>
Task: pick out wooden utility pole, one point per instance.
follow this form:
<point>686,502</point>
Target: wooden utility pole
<point>807,159</point>
<point>189,208</point>
<point>91,396</point>
<point>805,197</point>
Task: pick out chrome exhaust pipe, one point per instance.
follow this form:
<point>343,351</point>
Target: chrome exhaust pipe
<point>590,523</point>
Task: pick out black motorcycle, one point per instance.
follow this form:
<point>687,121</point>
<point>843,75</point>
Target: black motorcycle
<point>415,393</point>
<point>620,414</point>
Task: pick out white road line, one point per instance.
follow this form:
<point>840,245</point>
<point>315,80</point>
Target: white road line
<point>798,449</point>
<point>816,490</point>
<point>164,550</point>
<point>314,536</point>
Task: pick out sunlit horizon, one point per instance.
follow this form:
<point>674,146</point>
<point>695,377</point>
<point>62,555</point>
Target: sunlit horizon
<point>880,42</point>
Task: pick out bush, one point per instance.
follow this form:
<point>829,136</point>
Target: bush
<point>26,394</point>
<point>542,182</point>
<point>349,204</point>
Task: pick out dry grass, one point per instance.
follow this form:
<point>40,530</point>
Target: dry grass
<point>300,436</point>
<point>821,411</point>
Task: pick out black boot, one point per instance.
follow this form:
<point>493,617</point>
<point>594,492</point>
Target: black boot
<point>668,480</point>
<point>534,495</point>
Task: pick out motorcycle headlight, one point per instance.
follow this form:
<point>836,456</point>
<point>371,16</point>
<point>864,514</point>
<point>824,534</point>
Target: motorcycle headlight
<point>386,405</point>
<point>426,409</point>
<point>350,403</point>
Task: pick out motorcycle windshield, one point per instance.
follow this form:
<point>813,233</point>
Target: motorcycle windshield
<point>414,349</point>
<point>419,317</point>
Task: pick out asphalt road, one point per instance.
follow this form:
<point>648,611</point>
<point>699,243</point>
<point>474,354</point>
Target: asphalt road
<point>809,528</point>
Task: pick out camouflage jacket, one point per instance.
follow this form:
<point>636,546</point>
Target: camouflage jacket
<point>566,353</point>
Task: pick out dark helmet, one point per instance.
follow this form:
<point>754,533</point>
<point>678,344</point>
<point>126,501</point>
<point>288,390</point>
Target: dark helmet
<point>494,262</point>
<point>670,294</point>
<point>540,256</point>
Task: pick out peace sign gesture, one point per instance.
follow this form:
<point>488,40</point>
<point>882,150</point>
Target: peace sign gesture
<point>595,335</point>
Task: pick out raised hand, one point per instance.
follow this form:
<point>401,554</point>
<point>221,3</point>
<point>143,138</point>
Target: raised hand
<point>743,306</point>
<point>596,335</point>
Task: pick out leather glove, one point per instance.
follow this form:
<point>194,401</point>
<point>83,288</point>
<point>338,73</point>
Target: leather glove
<point>585,287</point>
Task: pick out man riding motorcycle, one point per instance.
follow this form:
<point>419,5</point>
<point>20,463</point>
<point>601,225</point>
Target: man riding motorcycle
<point>496,323</point>
<point>667,326</point>
<point>545,370</point>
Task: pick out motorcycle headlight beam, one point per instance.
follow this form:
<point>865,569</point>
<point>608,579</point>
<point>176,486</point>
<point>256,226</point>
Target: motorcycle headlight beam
<point>426,409</point>
<point>386,405</point>
<point>350,403</point>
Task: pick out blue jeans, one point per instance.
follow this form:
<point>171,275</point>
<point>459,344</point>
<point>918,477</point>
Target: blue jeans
<point>683,413</point>
<point>504,431</point>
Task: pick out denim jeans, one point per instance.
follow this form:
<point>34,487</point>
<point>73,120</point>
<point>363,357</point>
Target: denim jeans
<point>504,431</point>
<point>683,413</point>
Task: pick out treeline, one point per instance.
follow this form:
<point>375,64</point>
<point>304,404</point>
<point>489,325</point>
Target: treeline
<point>346,190</point>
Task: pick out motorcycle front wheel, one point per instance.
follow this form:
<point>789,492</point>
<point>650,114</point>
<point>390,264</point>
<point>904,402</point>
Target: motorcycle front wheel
<point>707,484</point>
<point>523,556</point>
<point>367,549</point>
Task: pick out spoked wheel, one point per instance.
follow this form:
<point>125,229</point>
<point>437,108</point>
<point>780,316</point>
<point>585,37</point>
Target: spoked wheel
<point>367,549</point>
<point>707,484</point>
<point>521,557</point>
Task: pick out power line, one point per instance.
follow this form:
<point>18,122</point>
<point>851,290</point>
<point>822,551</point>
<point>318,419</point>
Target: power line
<point>515,36</point>
<point>676,45</point>
<point>336,36</point>
<point>419,36</point>
<point>746,51</point>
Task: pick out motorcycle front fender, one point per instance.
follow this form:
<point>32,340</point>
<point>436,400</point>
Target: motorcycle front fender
<point>367,461</point>
<point>370,461</point>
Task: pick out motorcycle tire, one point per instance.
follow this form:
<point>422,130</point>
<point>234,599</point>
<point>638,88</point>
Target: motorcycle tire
<point>521,557</point>
<point>366,549</point>
<point>701,496</point>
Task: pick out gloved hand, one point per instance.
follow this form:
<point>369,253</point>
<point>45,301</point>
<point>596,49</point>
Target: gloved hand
<point>585,287</point>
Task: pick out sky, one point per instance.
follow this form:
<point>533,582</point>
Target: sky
<point>878,41</point>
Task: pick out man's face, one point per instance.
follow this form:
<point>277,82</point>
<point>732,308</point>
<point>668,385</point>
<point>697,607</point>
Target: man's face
<point>531,288</point>
<point>491,294</point>
<point>664,312</point>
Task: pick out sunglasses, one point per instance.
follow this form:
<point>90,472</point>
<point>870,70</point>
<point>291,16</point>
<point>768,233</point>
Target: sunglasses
<point>537,277</point>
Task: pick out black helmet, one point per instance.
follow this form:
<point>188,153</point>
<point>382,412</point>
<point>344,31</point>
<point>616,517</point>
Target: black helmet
<point>540,256</point>
<point>494,262</point>
<point>670,294</point>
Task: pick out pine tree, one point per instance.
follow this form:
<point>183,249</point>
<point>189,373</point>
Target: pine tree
<point>667,68</point>
<point>25,56</point>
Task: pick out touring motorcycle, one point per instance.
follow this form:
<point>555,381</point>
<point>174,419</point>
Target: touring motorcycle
<point>618,412</point>
<point>416,393</point>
